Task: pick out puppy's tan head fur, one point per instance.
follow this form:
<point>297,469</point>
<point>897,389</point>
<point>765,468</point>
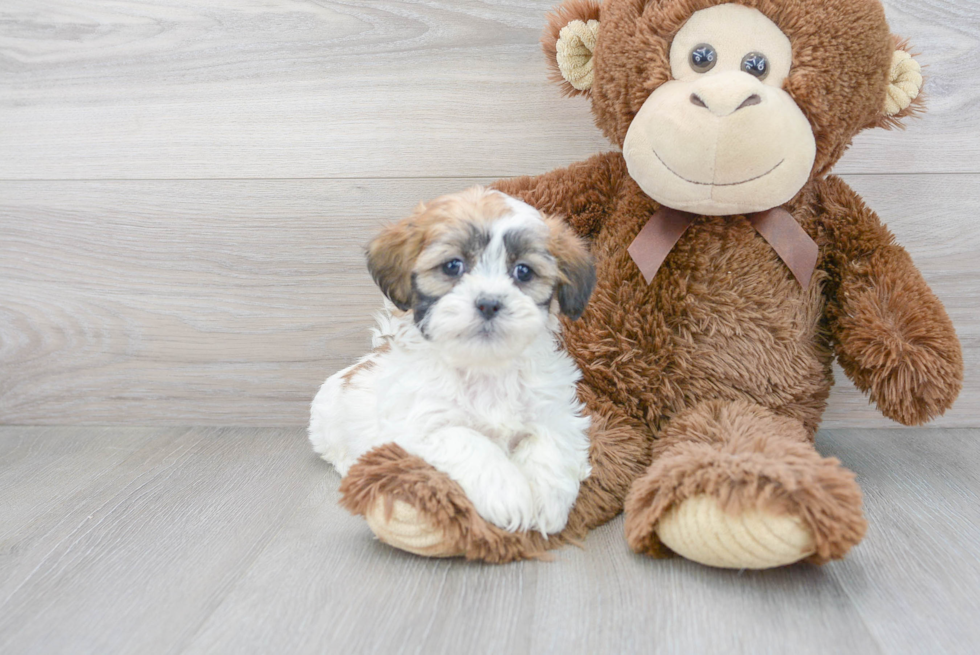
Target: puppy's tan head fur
<point>407,257</point>
<point>392,254</point>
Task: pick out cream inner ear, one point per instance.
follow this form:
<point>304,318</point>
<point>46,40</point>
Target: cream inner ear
<point>733,31</point>
<point>905,83</point>
<point>576,43</point>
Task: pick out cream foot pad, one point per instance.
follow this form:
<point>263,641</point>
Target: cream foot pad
<point>407,530</point>
<point>699,530</point>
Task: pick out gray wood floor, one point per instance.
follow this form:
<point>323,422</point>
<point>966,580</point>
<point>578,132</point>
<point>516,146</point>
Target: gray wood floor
<point>229,540</point>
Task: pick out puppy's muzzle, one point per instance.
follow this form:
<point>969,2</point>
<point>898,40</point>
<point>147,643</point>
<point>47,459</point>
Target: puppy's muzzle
<point>488,307</point>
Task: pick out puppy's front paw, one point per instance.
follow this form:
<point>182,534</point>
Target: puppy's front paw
<point>503,497</point>
<point>551,506</point>
<point>554,474</point>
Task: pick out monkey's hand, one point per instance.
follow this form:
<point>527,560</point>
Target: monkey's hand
<point>894,338</point>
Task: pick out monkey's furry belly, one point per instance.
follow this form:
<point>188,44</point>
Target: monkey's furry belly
<point>723,318</point>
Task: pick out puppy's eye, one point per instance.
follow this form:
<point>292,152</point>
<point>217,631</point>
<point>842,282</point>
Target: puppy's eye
<point>755,64</point>
<point>453,268</point>
<point>703,57</point>
<point>523,273</point>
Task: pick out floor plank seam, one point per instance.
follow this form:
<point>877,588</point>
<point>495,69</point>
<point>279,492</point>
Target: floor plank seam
<point>864,619</point>
<point>84,527</point>
<point>260,547</point>
<point>428,628</point>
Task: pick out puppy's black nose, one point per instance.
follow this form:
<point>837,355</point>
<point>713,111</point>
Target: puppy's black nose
<point>488,307</point>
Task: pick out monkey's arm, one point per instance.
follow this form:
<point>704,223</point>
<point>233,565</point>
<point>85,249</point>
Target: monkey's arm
<point>891,334</point>
<point>581,193</point>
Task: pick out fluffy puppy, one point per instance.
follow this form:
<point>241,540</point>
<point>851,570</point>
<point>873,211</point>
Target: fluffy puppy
<point>467,372</point>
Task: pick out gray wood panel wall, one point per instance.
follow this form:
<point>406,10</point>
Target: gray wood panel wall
<point>185,188</point>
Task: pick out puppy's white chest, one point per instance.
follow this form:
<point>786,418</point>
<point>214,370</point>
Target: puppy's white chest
<point>501,411</point>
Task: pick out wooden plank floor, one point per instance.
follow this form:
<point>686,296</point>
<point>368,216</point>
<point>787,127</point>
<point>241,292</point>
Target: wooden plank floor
<point>229,540</point>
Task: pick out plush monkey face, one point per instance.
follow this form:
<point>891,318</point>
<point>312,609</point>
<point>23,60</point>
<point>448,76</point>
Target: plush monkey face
<point>722,136</point>
<point>727,108</point>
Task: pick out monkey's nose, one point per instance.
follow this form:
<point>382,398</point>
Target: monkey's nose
<point>488,307</point>
<point>753,99</point>
<point>723,102</point>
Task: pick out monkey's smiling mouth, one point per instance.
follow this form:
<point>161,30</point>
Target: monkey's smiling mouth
<point>751,179</point>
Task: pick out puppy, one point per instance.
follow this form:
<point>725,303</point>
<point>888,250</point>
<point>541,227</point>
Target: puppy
<point>467,372</point>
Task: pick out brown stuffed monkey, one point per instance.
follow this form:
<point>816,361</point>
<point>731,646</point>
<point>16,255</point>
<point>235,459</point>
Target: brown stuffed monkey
<point>732,269</point>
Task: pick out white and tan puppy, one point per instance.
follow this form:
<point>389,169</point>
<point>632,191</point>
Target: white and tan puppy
<point>467,372</point>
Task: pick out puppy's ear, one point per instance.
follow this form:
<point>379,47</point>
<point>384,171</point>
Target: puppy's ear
<point>575,266</point>
<point>391,256</point>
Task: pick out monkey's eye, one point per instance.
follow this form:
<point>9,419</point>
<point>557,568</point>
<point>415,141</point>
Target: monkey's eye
<point>755,64</point>
<point>523,273</point>
<point>453,268</point>
<point>703,57</point>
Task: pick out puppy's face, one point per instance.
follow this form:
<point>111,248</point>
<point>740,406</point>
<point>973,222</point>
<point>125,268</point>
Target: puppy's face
<point>482,272</point>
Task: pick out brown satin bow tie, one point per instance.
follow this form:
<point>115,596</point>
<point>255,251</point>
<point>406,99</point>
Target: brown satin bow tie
<point>777,226</point>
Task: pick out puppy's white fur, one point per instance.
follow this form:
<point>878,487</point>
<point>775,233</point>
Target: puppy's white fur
<point>491,403</point>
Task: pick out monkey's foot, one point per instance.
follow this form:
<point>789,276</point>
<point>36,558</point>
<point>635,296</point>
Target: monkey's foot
<point>734,485</point>
<point>699,529</point>
<point>409,529</point>
<point>412,506</point>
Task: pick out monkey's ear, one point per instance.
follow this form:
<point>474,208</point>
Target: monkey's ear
<point>391,257</point>
<point>569,41</point>
<point>903,97</point>
<point>576,270</point>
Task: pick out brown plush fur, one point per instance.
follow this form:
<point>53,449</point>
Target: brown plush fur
<point>918,106</point>
<point>842,52</point>
<point>583,10</point>
<point>391,473</point>
<point>713,378</point>
<point>745,456</point>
